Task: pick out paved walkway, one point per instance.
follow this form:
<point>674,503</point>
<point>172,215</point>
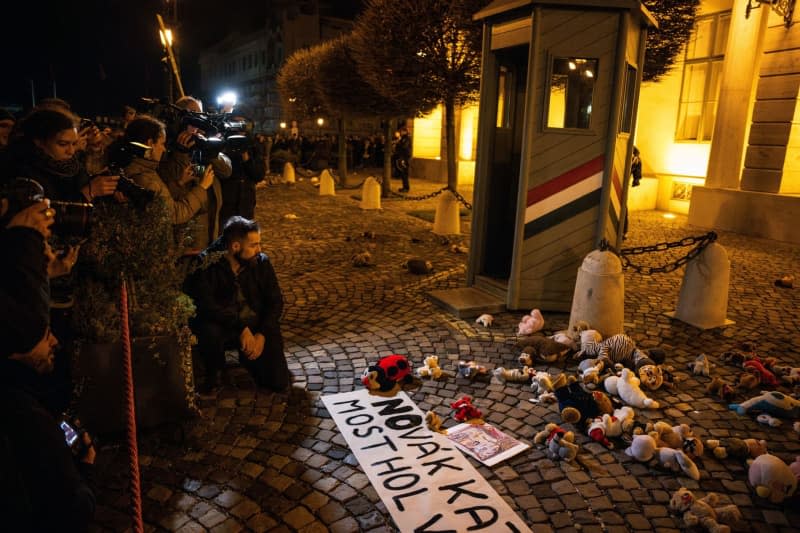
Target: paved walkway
<point>257,461</point>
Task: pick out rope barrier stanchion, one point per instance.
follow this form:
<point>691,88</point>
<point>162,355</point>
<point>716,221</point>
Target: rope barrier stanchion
<point>130,409</point>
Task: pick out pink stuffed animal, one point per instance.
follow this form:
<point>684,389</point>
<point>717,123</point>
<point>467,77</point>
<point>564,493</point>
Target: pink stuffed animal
<point>531,323</point>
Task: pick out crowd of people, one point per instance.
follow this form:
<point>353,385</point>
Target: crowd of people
<point>51,160</point>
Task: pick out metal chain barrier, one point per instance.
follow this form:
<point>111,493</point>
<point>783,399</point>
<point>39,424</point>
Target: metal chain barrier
<point>461,199</point>
<point>699,242</point>
<point>422,197</point>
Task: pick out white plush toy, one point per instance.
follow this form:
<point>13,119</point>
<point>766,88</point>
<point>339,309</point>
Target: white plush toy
<point>677,461</point>
<point>626,386</point>
<point>513,375</point>
<point>603,427</point>
<point>531,323</point>
<point>772,478</point>
<point>542,385</point>
<point>768,420</point>
<point>642,448</point>
<point>485,320</point>
<point>622,421</point>
<point>590,370</point>
<point>590,338</point>
<point>701,366</point>
<point>565,339</point>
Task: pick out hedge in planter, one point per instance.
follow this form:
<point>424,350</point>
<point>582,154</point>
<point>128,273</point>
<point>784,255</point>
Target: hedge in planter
<point>139,244</point>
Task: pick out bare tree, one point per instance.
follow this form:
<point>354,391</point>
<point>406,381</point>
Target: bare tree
<point>420,53</point>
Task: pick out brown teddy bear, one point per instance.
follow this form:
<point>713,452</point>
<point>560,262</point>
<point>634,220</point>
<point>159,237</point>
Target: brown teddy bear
<point>560,442</point>
<point>704,511</point>
<point>737,448</point>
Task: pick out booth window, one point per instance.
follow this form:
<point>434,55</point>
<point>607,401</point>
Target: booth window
<point>702,71</point>
<point>626,119</point>
<point>570,92</point>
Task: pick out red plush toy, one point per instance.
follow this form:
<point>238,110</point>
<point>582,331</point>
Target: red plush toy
<point>465,410</point>
<point>387,373</point>
<point>757,367</point>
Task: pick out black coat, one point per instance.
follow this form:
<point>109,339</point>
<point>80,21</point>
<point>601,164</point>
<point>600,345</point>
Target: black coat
<point>42,489</point>
<point>212,286</point>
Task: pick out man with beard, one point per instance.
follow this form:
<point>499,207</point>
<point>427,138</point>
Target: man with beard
<point>239,305</point>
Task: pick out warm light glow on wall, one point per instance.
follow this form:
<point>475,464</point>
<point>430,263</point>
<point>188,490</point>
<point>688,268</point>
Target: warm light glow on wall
<point>427,138</point>
<point>685,159</point>
<point>790,179</point>
<point>469,125</point>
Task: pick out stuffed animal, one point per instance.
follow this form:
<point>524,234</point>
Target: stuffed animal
<point>385,375</point>
<point>362,259</point>
<point>671,436</point>
<point>590,371</point>
<point>771,402</point>
<point>736,357</point>
<point>542,349</point>
<point>589,343</point>
<point>542,385</point>
<point>787,374</point>
<point>566,340</point>
<point>418,266</point>
<point>757,368</point>
<point>465,411</point>
<point>737,448</point>
<point>747,381</point>
<point>768,420</point>
<point>721,389</point>
<point>605,426</point>
<point>577,404</point>
<point>560,442</point>
<point>772,478</point>
<point>485,320</point>
<point>621,349</point>
<point>471,370</point>
<point>434,422</point>
<point>431,368</point>
<point>626,386</point>
<point>677,461</point>
<point>795,467</point>
<point>531,323</point>
<point>515,375</point>
<point>642,448</point>
<point>704,511</point>
<point>701,366</point>
<point>796,427</point>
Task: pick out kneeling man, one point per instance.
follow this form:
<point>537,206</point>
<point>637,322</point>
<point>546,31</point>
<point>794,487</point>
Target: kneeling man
<point>239,305</point>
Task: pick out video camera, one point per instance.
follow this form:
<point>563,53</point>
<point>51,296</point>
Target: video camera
<point>220,132</point>
<point>72,219</point>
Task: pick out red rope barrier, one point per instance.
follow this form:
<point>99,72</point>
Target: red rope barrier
<point>130,408</point>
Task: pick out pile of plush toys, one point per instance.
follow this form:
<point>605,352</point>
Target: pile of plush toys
<point>614,378</point>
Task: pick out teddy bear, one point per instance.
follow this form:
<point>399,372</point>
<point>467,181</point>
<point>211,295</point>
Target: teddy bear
<point>513,375</point>
<point>746,381</point>
<point>418,266</point>
<point>531,323</point>
<point>465,411</point>
<point>642,448</point>
<point>677,461</point>
<point>772,478</point>
<point>434,422</point>
<point>704,511</point>
<point>590,371</point>
<point>577,404</point>
<point>560,442</point>
<point>471,370</point>
<point>626,386</point>
<point>542,386</point>
<point>431,368</point>
<point>621,349</point>
<point>605,426</point>
<point>771,402</point>
<point>787,374</point>
<point>541,349</point>
<point>737,448</point>
<point>757,367</point>
<point>565,339</point>
<point>485,320</point>
<point>721,389</point>
<point>701,366</point>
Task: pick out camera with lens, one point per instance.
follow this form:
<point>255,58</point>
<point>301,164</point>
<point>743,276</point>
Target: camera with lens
<point>138,195</point>
<point>72,219</point>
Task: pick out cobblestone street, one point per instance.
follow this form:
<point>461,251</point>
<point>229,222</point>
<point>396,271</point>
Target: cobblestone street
<point>258,461</point>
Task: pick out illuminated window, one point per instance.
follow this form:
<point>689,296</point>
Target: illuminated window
<point>570,92</point>
<point>681,191</point>
<point>702,71</point>
<point>427,138</point>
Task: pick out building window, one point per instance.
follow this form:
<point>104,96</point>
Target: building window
<point>570,92</point>
<point>681,191</point>
<point>702,71</point>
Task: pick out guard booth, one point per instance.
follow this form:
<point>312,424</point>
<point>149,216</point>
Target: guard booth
<point>559,90</point>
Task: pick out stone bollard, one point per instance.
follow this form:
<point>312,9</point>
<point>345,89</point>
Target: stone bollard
<point>703,299</point>
<point>288,173</point>
<point>370,194</point>
<point>326,185</point>
<point>447,220</point>
<point>599,296</point>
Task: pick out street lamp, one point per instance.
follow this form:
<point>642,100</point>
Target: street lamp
<point>166,40</point>
<point>226,101</point>
<point>283,125</point>
<point>320,122</point>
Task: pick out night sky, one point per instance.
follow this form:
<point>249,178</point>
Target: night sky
<point>105,53</point>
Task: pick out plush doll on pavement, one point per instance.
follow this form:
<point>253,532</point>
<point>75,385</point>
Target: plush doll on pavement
<point>431,368</point>
<point>608,426</point>
<point>736,448</point>
<point>531,323</point>
<point>560,442</point>
<point>513,375</point>
<point>771,402</point>
<point>486,320</point>
<point>704,512</point>
<point>621,350</point>
<point>701,366</point>
<point>384,377</point>
<point>538,349</point>
<point>466,412</point>
<point>678,437</point>
<point>771,478</point>
<point>626,386</point>
<point>757,368</point>
<point>576,404</point>
<point>643,448</point>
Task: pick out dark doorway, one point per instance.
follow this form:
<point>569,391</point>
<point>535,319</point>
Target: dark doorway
<point>505,159</point>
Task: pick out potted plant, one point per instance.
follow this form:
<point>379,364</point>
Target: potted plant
<point>138,244</point>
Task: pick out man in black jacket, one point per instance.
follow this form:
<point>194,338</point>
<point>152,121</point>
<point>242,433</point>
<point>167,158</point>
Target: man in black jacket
<point>239,305</point>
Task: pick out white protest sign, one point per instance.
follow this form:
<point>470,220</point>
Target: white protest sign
<point>422,478</point>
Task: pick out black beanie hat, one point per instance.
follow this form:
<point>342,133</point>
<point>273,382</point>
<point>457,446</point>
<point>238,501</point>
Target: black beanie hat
<point>6,115</point>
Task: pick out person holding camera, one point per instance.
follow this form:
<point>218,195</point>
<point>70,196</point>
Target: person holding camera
<point>148,136</point>
<point>248,168</point>
<point>239,305</point>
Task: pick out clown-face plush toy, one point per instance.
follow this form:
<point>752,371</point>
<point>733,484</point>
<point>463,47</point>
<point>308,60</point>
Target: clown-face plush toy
<point>385,375</point>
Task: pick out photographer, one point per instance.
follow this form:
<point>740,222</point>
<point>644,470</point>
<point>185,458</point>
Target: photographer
<point>239,190</point>
<point>44,486</point>
<point>149,135</point>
